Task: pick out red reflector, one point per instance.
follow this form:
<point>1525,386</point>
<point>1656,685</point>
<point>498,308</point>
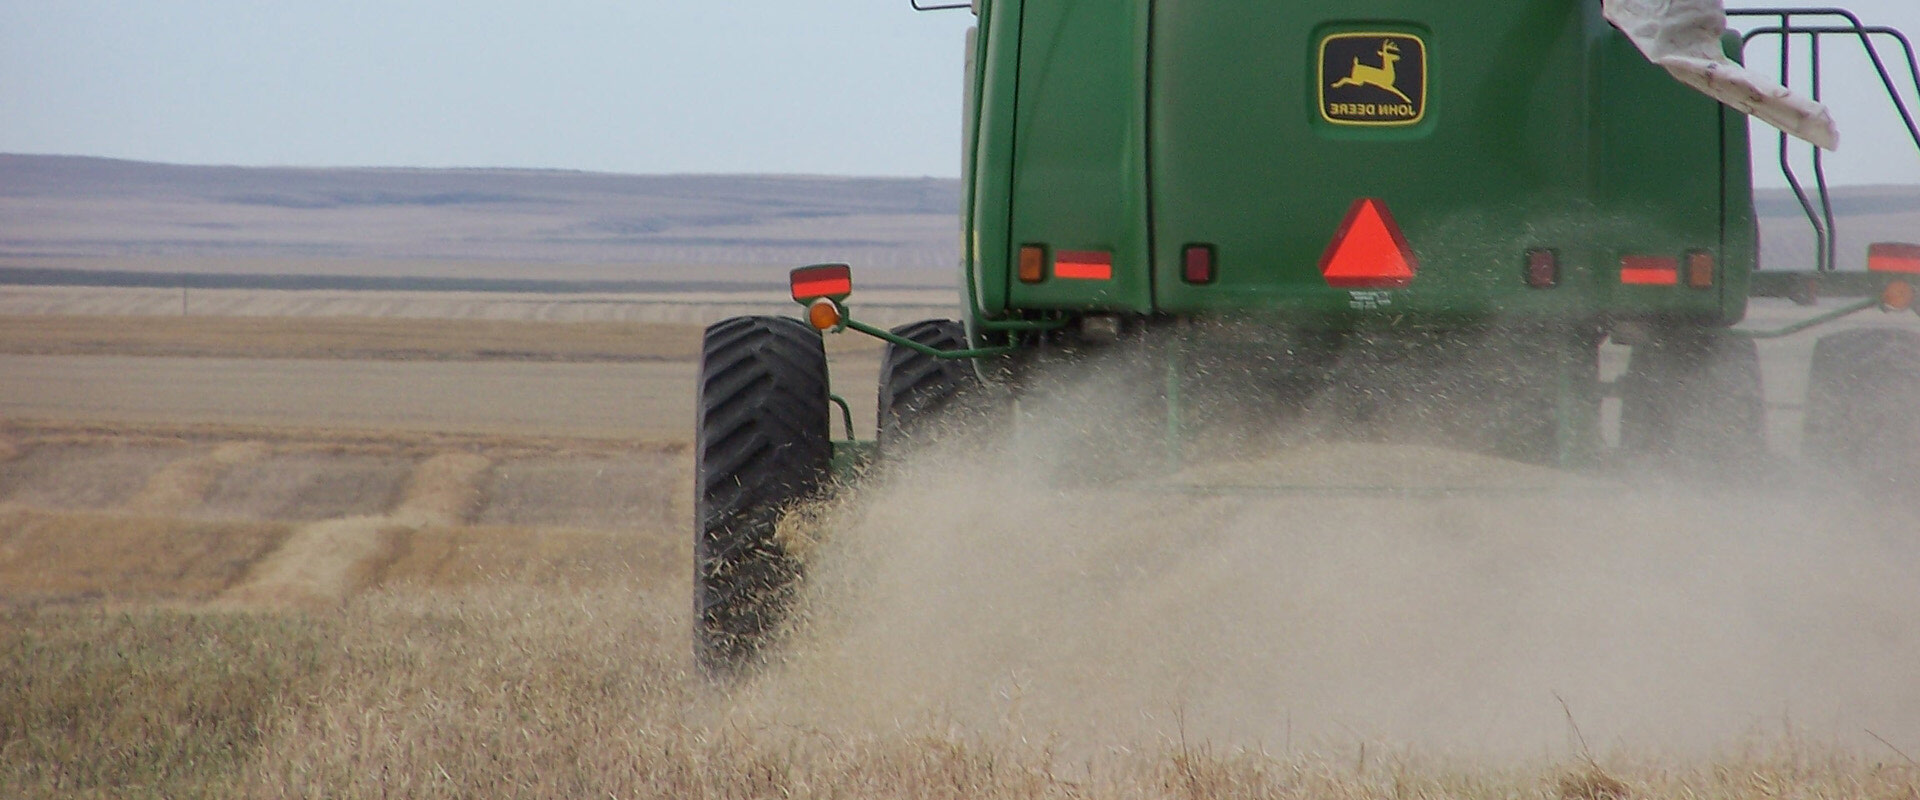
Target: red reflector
<point>1650,271</point>
<point>821,280</point>
<point>1369,252</point>
<point>1543,268</point>
<point>1197,263</point>
<point>1083,265</point>
<point>1894,257</point>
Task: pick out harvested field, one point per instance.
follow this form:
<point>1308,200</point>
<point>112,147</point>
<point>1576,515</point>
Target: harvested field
<point>250,516</point>
<point>442,574</point>
<point>66,557</point>
<point>511,690</point>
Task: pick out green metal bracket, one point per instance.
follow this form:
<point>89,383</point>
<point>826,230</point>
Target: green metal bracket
<point>1813,321</point>
<point>1008,326</point>
<point>1803,286</point>
<point>925,350</point>
<point>846,413</point>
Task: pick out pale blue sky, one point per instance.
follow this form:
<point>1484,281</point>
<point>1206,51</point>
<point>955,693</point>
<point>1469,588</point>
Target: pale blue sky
<point>862,87</point>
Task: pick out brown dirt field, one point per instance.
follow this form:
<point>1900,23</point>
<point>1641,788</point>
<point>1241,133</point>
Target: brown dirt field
<point>364,338</point>
<point>642,400</point>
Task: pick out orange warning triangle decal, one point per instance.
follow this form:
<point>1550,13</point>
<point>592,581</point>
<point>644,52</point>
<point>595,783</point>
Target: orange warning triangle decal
<point>1369,252</point>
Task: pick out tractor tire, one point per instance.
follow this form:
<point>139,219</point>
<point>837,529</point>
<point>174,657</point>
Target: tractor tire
<point>761,445</point>
<point>917,389</point>
<point>1694,395</point>
<point>1860,402</point>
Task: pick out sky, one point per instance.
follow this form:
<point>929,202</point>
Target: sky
<point>837,87</point>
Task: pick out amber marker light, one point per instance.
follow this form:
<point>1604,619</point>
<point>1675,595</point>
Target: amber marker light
<point>1033,263</point>
<point>1700,266</point>
<point>824,314</point>
<point>1898,296</point>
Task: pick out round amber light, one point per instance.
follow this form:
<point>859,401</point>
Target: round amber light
<point>824,314</point>
<point>1897,297</point>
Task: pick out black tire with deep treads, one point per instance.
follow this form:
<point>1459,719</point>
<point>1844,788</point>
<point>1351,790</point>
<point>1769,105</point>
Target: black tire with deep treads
<point>761,444</point>
<point>1694,395</point>
<point>1863,402</point>
<point>915,388</point>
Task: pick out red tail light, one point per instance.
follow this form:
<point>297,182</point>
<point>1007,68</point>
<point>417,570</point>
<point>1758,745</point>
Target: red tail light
<point>821,280</point>
<point>1083,265</point>
<point>1649,271</point>
<point>1894,257</point>
<point>1197,263</point>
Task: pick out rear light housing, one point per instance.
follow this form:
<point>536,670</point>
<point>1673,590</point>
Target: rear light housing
<point>1543,268</point>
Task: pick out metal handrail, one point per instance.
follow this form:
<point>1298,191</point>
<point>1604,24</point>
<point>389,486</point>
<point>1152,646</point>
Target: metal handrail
<point>1825,227</point>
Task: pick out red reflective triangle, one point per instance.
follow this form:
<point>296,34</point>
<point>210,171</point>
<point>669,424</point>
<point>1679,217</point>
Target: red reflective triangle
<point>1369,252</point>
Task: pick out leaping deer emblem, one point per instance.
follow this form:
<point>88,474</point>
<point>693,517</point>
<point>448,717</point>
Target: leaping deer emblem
<point>1380,77</point>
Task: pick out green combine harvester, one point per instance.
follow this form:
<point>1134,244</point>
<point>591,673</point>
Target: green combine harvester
<point>1492,188</point>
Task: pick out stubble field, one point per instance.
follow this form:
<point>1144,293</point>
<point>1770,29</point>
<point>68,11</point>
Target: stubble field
<point>277,557</point>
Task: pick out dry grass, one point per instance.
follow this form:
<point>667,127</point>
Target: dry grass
<point>468,558</point>
<point>144,704</point>
<point>584,691</point>
<point>360,338</point>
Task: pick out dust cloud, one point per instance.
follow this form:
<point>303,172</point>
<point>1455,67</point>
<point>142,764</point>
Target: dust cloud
<point>1485,608</point>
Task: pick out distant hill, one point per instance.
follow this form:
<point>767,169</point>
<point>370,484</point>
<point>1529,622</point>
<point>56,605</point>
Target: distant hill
<point>56,209</point>
<point>103,215</point>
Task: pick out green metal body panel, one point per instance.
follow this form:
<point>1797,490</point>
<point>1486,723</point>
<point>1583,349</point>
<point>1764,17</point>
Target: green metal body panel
<point>1138,127</point>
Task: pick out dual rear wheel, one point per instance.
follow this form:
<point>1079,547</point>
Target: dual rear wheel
<point>1698,396</point>
<point>763,445</point>
<point>1694,395</point>
<point>1863,404</point>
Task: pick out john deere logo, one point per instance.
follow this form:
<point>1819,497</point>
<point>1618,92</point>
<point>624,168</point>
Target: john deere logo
<point>1373,79</point>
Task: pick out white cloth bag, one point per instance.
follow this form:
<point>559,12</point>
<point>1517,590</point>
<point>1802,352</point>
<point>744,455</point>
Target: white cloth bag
<point>1684,37</point>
